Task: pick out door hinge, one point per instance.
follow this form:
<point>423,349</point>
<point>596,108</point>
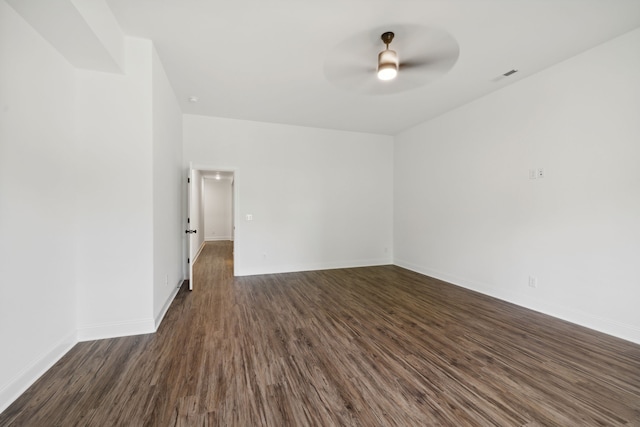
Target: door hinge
<point>188,261</point>
<point>188,180</point>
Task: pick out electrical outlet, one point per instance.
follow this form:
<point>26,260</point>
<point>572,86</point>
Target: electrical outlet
<point>540,172</point>
<point>533,282</point>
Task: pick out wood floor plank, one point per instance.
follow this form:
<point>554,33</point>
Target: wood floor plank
<point>374,346</point>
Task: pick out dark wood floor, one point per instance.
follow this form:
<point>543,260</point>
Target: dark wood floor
<point>376,346</point>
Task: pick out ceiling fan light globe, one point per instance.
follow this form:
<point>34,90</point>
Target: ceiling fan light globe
<point>387,72</point>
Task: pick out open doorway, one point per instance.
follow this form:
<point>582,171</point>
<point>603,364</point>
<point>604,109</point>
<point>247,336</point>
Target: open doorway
<point>211,210</point>
<point>217,206</point>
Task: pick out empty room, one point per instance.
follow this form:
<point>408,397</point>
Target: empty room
<point>358,213</point>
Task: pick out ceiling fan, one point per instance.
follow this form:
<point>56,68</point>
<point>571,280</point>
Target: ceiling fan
<point>387,59</point>
<point>419,56</point>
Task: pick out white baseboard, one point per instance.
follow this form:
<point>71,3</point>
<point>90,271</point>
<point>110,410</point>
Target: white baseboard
<point>607,326</point>
<point>195,258</point>
<point>274,269</point>
<point>217,238</point>
<point>166,306</point>
<point>116,329</point>
<point>29,375</point>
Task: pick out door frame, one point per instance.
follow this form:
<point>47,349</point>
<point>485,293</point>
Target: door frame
<point>207,169</point>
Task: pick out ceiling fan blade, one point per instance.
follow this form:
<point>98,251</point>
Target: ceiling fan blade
<point>420,63</point>
<point>357,78</point>
<point>349,73</point>
<point>428,62</point>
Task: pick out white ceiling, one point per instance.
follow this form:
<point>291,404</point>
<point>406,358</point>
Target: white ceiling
<point>271,60</point>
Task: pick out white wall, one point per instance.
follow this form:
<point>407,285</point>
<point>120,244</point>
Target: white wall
<point>168,186</point>
<point>217,204</point>
<point>465,210</point>
<point>319,198</point>
<point>37,205</point>
<point>115,218</point>
<point>90,206</point>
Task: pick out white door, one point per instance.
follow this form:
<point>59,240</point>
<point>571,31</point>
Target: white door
<point>191,226</point>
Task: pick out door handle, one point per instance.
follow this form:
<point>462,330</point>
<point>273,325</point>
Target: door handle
<point>190,231</point>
